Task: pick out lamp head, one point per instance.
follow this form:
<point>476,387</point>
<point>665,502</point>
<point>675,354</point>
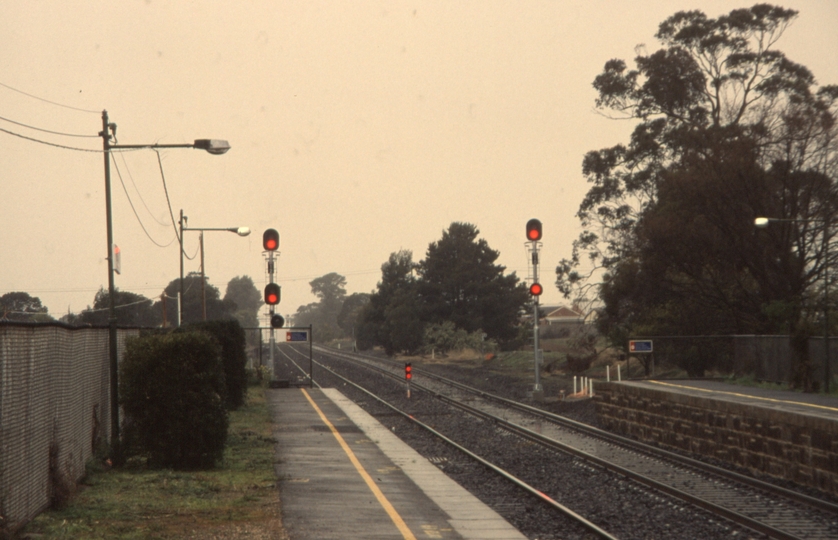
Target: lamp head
<point>243,231</point>
<point>213,146</point>
<point>761,222</point>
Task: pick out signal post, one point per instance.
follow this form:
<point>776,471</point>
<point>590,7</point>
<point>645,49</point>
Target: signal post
<point>533,236</point>
<point>408,375</point>
<point>273,292</point>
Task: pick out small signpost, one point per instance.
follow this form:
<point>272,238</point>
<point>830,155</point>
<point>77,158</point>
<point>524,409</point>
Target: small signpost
<point>303,334</point>
<point>640,346</point>
<point>296,336</point>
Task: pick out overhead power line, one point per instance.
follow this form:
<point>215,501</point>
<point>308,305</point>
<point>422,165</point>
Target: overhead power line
<point>140,221</point>
<point>48,101</point>
<point>49,143</point>
<point>171,212</point>
<point>142,199</point>
<point>47,130</point>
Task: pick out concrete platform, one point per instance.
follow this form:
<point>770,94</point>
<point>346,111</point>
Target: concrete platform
<point>342,475</point>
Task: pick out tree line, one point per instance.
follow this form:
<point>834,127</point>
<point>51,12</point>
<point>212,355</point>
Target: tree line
<point>241,301</point>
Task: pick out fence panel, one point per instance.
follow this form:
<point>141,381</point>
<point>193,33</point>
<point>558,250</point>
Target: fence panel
<point>54,410</point>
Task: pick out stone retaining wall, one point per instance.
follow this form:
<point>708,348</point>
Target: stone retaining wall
<point>803,449</point>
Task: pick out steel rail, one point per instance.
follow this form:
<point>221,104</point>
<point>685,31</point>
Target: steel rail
<point>626,442</point>
<point>592,527</point>
<point>729,514</point>
<point>645,448</point>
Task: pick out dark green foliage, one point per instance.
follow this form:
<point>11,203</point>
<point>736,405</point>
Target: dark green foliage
<point>20,306</point>
<point>458,282</point>
<point>727,129</point>
<point>171,389</point>
<point>231,337</point>
<point>579,364</point>
<point>323,314</point>
<point>348,317</point>
<point>192,308</point>
<point>247,299</point>
<point>131,309</point>
<point>392,317</point>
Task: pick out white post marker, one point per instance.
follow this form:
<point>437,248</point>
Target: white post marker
<point>608,373</point>
<point>574,384</point>
<point>619,377</point>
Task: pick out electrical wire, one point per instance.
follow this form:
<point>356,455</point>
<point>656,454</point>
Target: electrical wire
<point>49,143</point>
<point>140,221</point>
<point>131,177</point>
<point>46,130</point>
<point>67,147</point>
<point>143,301</point>
<point>48,101</point>
<point>169,203</point>
<point>166,191</point>
<point>119,306</point>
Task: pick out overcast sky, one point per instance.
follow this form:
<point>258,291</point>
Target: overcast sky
<point>357,128</point>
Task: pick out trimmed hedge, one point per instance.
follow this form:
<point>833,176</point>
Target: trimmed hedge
<point>171,389</point>
<point>230,335</point>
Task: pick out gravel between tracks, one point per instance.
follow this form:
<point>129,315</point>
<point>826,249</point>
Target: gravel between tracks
<point>623,508</point>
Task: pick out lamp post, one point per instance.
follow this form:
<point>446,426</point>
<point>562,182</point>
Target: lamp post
<point>213,146</point>
<point>763,222</point>
<point>241,231</point>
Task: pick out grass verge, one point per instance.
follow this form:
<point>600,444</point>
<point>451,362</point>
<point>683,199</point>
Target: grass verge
<point>238,499</point>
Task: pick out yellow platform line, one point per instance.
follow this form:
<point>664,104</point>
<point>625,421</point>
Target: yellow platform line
<point>394,515</point>
<point>746,396</point>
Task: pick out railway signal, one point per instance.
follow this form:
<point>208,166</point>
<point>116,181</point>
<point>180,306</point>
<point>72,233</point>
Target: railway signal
<point>534,236</point>
<point>270,240</point>
<point>534,230</point>
<point>408,371</point>
<point>277,321</point>
<point>272,294</point>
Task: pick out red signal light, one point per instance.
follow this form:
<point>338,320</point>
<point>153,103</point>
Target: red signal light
<point>536,289</point>
<point>272,294</point>
<point>408,371</point>
<point>533,230</point>
<point>270,240</point>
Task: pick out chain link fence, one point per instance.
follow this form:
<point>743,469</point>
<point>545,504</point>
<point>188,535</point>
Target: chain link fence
<point>54,412</point>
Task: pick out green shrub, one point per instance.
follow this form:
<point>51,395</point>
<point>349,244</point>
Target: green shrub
<point>231,336</point>
<point>445,337</point>
<point>579,364</point>
<point>171,389</point>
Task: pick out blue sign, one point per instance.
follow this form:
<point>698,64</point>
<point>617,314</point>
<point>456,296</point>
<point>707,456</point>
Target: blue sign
<point>640,346</point>
<point>296,336</point>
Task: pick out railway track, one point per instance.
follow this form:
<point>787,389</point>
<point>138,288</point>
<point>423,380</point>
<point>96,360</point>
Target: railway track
<point>763,508</point>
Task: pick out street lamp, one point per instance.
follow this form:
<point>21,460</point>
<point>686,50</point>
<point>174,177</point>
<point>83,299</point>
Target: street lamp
<point>763,222</point>
<point>241,231</point>
<point>213,146</point>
